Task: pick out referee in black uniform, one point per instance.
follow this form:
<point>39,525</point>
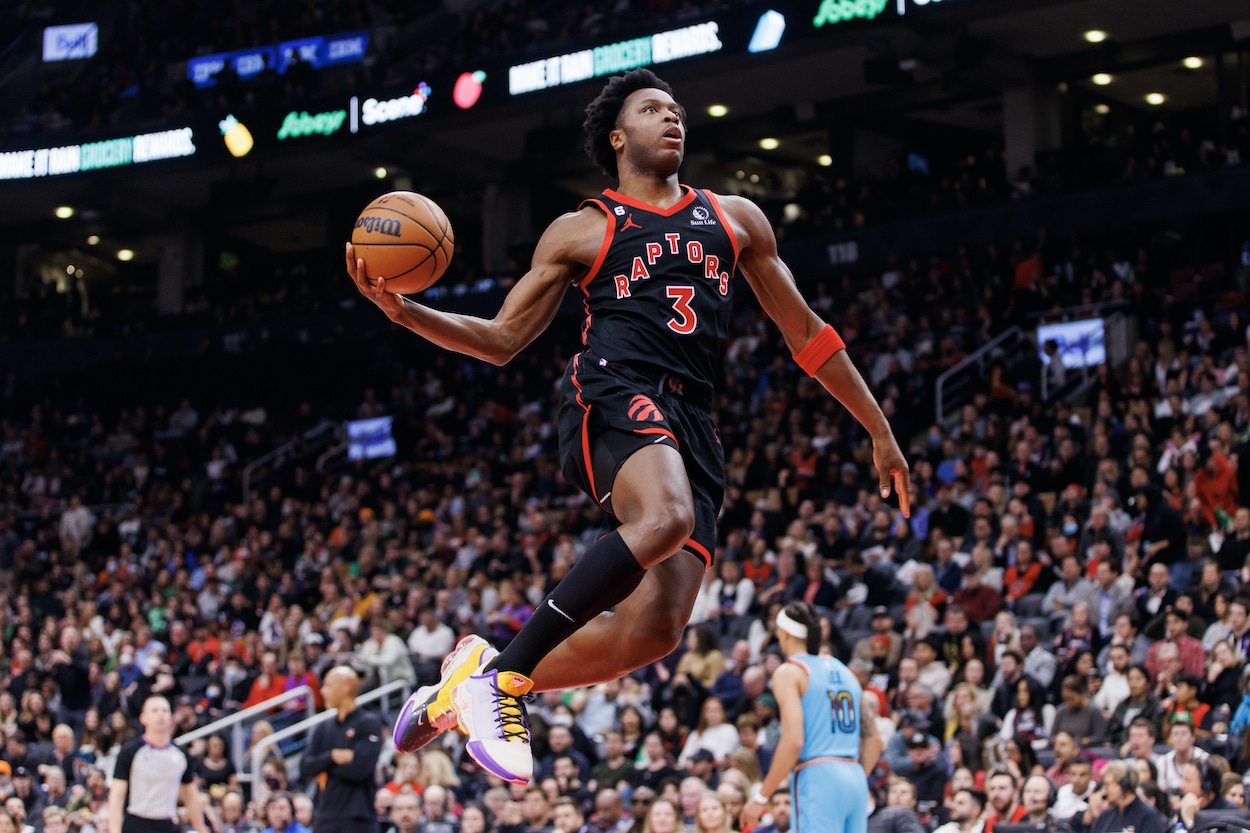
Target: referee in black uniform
<point>343,755</point>
<point>151,776</point>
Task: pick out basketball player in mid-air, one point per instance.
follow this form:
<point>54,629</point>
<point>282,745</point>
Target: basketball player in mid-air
<point>829,735</point>
<point>654,261</point>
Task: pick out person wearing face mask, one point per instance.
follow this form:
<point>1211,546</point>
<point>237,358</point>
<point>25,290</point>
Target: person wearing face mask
<point>236,683</point>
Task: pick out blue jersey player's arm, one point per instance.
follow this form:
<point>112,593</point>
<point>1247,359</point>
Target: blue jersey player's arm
<point>789,683</point>
<point>774,286</point>
<point>564,253</point>
<point>870,743</point>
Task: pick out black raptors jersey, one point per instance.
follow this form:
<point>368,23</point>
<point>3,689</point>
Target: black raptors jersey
<point>660,291</point>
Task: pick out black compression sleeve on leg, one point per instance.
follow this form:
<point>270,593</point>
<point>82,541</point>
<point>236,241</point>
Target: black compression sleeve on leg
<point>604,576</point>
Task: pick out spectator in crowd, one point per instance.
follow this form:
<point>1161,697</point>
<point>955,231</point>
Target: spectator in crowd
<point>1117,807</point>
<point>1193,657</point>
<point>892,818</point>
<point>926,775</point>
<point>269,684</point>
<point>405,813</point>
<point>1181,737</point>
<point>1002,790</point>
<point>1073,797</point>
<point>1039,664</point>
<point>1077,716</point>
<point>1141,704</point>
<point>280,814</point>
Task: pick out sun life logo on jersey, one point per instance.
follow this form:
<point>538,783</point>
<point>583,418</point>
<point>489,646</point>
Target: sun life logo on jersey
<point>700,216</point>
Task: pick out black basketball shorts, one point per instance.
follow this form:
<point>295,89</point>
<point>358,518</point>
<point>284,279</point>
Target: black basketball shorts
<point>607,412</point>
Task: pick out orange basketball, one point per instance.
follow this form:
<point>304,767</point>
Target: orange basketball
<point>405,239</point>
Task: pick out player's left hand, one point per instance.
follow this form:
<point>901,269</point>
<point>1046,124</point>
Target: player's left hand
<point>894,473</point>
<point>751,814</point>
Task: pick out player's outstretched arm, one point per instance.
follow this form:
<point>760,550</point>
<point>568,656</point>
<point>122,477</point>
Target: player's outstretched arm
<point>773,284</point>
<point>565,251</point>
<point>870,744</point>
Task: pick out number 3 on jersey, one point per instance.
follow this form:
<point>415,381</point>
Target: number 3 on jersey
<point>681,297</point>
<point>844,717</point>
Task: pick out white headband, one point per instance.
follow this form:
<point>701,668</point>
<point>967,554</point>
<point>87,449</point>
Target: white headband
<point>796,629</point>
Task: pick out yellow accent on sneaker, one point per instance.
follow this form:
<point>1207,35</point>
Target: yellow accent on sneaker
<point>512,687</point>
<point>441,704</point>
<point>518,685</point>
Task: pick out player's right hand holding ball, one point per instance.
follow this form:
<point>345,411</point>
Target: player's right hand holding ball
<point>389,303</point>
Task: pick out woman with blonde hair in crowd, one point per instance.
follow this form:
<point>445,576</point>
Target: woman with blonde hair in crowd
<point>1006,636</point>
<point>8,711</point>
<point>963,700</point>
<point>744,762</point>
<point>920,621</point>
<point>662,817</point>
<point>991,575</point>
<point>407,774</point>
<point>437,768</point>
<point>925,590</point>
<point>261,729</point>
<point>711,816</point>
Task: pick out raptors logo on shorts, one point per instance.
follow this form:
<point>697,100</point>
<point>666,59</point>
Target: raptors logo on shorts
<point>642,409</point>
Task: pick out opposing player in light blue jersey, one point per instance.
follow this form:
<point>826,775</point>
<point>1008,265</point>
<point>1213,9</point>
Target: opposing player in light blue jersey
<point>828,734</point>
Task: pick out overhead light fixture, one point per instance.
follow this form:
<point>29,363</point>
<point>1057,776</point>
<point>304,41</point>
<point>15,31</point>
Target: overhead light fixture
<point>769,143</point>
<point>64,212</point>
<point>754,177</point>
<point>1155,98</point>
<point>1102,109</point>
<point>1102,79</point>
<point>1095,36</point>
<point>824,160</point>
<point>717,111</point>
<point>379,172</point>
<point>69,270</point>
<point>125,255</point>
<point>93,240</point>
<point>1192,62</point>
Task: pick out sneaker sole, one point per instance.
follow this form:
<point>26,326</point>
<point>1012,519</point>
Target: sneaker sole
<point>483,759</point>
<point>415,726</point>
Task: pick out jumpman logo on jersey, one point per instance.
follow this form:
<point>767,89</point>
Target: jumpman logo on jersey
<point>629,223</point>
<point>642,409</point>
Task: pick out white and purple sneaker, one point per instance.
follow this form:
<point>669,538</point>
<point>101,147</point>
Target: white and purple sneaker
<point>491,713</point>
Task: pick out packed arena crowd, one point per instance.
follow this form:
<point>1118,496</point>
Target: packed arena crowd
<point>1066,607</point>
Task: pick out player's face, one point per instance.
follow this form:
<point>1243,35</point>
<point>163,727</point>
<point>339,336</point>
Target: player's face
<point>652,130</point>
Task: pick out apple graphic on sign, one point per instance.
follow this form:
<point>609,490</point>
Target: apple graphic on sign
<point>468,88</point>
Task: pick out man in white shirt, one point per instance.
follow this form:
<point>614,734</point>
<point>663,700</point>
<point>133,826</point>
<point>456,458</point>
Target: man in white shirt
<point>966,809</point>
<point>933,674</point>
<point>387,654</point>
<point>1115,682</point>
<point>429,642</point>
<point>76,522</point>
<point>1183,751</point>
<point>1073,796</point>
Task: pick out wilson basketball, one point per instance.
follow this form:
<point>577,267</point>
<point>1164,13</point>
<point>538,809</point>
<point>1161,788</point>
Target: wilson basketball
<point>405,239</point>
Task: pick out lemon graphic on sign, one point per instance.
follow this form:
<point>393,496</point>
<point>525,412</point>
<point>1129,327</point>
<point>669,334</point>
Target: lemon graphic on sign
<point>238,138</point>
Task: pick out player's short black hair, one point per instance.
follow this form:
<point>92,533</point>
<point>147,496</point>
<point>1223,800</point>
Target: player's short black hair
<point>602,113</point>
